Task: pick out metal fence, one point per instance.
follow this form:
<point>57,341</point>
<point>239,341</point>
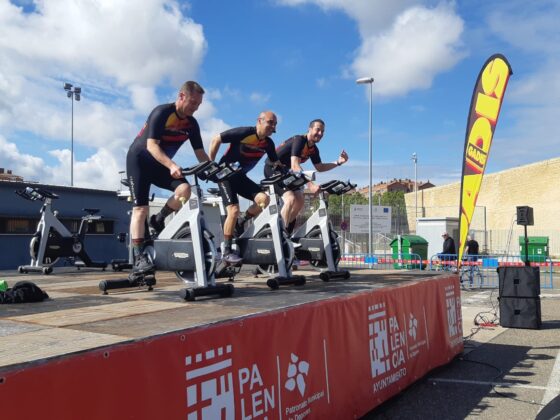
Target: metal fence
<point>481,271</point>
<point>492,241</point>
<point>478,272</point>
<point>383,261</point>
<point>499,246</point>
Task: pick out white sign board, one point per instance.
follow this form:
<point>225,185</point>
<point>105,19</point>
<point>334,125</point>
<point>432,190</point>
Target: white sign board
<point>380,219</point>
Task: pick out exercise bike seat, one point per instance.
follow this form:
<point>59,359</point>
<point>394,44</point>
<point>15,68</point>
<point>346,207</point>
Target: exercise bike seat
<point>213,191</point>
<point>91,212</point>
<point>33,194</point>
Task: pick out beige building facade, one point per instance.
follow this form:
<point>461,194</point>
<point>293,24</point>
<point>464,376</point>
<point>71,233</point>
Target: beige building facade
<point>536,185</point>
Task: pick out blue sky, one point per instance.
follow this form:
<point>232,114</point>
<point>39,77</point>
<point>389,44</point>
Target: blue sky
<point>299,58</point>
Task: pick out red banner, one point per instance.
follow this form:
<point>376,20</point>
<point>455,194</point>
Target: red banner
<point>336,358</point>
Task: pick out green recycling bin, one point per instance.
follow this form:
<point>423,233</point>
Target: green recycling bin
<point>537,247</point>
<point>412,247</point>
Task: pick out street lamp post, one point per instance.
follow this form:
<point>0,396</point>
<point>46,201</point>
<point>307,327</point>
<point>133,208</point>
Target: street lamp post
<point>342,222</point>
<point>415,160</point>
<point>365,81</point>
<point>73,92</point>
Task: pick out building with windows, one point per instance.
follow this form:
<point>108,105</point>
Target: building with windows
<point>6,175</point>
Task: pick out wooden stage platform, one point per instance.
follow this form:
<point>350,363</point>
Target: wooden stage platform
<point>86,346</point>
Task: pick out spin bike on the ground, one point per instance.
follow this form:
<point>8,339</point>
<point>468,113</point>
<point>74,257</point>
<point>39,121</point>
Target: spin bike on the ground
<point>52,240</point>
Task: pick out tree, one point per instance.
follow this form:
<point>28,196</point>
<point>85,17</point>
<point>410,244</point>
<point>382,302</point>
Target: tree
<point>393,199</point>
<point>335,203</point>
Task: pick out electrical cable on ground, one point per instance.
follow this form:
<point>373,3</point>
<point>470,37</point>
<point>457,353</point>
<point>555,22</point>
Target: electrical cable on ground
<point>498,375</point>
<point>482,321</point>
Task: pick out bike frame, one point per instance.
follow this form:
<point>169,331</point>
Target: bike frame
<point>320,218</point>
<point>191,214</point>
<point>270,216</point>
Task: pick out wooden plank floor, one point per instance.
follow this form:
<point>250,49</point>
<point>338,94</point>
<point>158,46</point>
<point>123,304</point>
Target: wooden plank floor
<point>77,317</point>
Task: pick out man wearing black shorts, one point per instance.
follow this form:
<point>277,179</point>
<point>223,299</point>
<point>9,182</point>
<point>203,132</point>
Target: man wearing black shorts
<point>292,153</point>
<point>150,161</point>
<point>246,146</point>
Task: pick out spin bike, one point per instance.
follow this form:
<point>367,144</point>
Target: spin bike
<point>52,240</point>
<point>319,242</point>
<point>265,242</point>
<point>185,245</point>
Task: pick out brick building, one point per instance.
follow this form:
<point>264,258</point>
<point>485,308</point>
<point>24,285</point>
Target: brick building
<point>404,185</point>
<point>6,175</point>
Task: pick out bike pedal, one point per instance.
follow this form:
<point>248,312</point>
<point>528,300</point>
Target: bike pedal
<point>140,276</point>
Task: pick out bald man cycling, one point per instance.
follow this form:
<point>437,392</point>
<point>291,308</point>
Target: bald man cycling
<point>246,146</point>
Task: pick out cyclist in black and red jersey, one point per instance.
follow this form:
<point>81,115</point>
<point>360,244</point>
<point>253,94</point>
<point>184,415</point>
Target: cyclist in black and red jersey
<point>246,146</point>
<point>292,153</point>
<point>150,162</point>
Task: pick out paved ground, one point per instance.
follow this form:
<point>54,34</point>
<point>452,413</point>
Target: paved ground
<point>503,373</point>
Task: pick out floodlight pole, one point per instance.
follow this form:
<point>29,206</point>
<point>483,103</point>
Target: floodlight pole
<point>72,92</point>
<point>415,160</point>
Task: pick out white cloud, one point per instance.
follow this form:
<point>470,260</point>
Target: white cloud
<point>530,26</point>
<point>259,98</point>
<point>372,16</point>
<point>534,105</point>
<point>120,54</point>
<point>233,93</point>
<point>30,167</point>
<point>403,46</point>
<point>143,98</point>
<point>408,56</point>
<point>322,82</point>
<point>539,87</point>
<point>101,38</point>
<point>532,98</point>
<point>99,171</point>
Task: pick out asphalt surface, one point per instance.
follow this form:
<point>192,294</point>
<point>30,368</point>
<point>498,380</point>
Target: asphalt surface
<point>503,373</point>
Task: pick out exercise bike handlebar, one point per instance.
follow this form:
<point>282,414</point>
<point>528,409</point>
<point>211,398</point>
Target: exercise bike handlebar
<point>213,171</point>
<point>34,194</point>
<point>337,187</point>
<point>289,180</point>
<point>198,168</point>
<point>224,171</point>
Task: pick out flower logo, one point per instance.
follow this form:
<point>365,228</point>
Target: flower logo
<point>297,370</point>
<point>412,326</point>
